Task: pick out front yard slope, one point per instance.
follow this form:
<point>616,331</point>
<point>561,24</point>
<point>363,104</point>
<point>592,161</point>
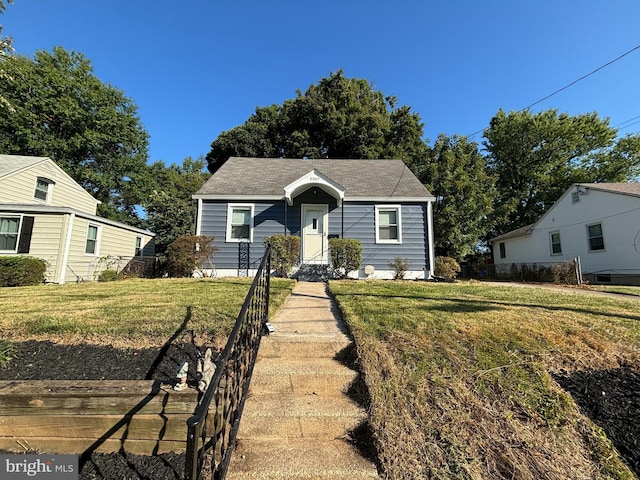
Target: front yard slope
<point>464,379</point>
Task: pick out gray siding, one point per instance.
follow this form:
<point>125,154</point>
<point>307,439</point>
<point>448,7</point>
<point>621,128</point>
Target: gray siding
<point>359,223</point>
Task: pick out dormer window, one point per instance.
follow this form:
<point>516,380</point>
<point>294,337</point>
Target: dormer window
<point>43,189</point>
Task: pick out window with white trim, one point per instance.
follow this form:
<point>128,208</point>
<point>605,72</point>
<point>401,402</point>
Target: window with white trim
<point>388,224</point>
<point>596,237</point>
<point>503,250</point>
<point>138,247</point>
<point>43,189</point>
<point>93,232</point>
<point>556,245</point>
<point>240,223</point>
<point>9,233</point>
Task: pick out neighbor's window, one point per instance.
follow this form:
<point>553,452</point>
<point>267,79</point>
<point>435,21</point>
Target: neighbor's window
<point>240,223</point>
<point>575,197</point>
<point>388,224</point>
<point>503,250</point>
<point>596,237</point>
<point>556,246</point>
<point>9,228</point>
<point>43,189</point>
<point>92,240</point>
<point>138,246</point>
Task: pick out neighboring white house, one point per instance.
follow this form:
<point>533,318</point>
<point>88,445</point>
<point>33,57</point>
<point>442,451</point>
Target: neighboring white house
<point>597,222</point>
<point>44,213</point>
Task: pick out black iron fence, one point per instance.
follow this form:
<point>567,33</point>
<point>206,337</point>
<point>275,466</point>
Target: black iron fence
<point>212,430</point>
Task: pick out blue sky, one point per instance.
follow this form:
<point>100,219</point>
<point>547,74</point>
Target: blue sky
<point>196,68</point>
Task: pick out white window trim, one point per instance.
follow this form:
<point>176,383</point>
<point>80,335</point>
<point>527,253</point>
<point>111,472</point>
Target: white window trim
<point>604,245</point>
<point>230,208</point>
<point>398,209</point>
<point>19,217</point>
<point>98,240</point>
<point>551,243</point>
<point>50,185</point>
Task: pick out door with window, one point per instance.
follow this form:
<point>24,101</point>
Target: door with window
<point>314,234</point>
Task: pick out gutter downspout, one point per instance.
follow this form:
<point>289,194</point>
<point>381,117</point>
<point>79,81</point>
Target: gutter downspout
<point>198,217</point>
<point>430,238</point>
<point>67,247</point>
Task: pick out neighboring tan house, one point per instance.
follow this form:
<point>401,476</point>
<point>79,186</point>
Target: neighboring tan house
<point>44,213</point>
<point>378,202</point>
<point>597,222</point>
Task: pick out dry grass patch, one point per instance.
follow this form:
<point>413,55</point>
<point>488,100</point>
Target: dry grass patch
<point>460,377</point>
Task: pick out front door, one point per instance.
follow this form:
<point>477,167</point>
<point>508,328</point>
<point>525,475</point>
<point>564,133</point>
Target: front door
<point>314,234</point>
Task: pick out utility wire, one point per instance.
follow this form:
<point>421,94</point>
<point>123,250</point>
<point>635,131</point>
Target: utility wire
<point>570,84</point>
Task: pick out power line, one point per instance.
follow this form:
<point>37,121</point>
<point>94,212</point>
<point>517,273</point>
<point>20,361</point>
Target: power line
<point>570,84</point>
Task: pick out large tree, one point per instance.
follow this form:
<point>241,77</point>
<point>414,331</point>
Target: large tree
<point>91,129</point>
<point>454,172</point>
<point>6,50</point>
<point>339,117</point>
<point>536,157</point>
<point>170,209</point>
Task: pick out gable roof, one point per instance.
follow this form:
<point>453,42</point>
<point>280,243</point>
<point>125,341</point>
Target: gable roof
<point>14,163</point>
<point>632,189</point>
<point>268,177</point>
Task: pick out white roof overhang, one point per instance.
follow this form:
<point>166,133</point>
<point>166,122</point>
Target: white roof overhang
<point>313,179</point>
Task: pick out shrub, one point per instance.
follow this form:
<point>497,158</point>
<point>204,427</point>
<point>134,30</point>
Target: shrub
<point>564,272</point>
<point>188,253</point>
<point>399,266</point>
<point>346,255</point>
<point>446,267</point>
<point>285,250</point>
<point>108,275</point>
<point>21,270</point>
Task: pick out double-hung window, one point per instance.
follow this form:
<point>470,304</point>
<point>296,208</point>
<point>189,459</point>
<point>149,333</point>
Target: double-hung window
<point>138,247</point>
<point>9,232</point>
<point>43,189</point>
<point>388,224</point>
<point>556,245</point>
<point>91,247</point>
<point>240,223</point>
<point>596,237</point>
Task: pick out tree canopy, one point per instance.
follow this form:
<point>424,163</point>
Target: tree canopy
<point>339,117</point>
<point>454,172</point>
<point>91,129</point>
<point>169,208</point>
<point>536,157</point>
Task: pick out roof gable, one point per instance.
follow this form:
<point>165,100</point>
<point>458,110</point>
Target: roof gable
<point>269,177</point>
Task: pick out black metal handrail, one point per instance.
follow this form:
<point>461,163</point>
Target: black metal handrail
<point>212,430</point>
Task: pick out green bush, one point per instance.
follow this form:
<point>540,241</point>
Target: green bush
<point>21,270</point>
<point>108,275</point>
<point>346,255</point>
<point>189,253</point>
<point>399,266</point>
<point>285,250</point>
<point>446,267</point>
<point>564,273</point>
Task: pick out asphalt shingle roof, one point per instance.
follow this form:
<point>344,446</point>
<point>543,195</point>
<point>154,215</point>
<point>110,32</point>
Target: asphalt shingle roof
<point>12,163</point>
<point>359,178</point>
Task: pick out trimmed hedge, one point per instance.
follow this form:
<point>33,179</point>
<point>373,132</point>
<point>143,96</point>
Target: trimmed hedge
<point>285,250</point>
<point>21,271</point>
<point>446,267</point>
<point>346,255</point>
<point>189,253</point>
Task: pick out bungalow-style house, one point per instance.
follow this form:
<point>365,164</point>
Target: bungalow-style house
<point>44,213</point>
<point>378,202</point>
<point>597,222</point>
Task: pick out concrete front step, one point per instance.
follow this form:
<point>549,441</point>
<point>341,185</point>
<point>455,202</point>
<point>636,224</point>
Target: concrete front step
<point>300,376</point>
<point>300,416</point>
<point>298,459</point>
<point>307,346</point>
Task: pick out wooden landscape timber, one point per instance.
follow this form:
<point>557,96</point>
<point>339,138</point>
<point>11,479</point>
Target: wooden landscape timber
<point>142,417</point>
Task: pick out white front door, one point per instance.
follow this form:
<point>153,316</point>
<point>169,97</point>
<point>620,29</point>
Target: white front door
<point>314,234</point>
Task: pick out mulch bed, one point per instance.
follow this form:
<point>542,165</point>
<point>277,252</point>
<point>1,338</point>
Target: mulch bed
<point>611,399</point>
<point>45,360</point>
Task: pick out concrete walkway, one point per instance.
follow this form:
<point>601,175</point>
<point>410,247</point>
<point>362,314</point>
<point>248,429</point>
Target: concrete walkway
<point>298,421</point>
